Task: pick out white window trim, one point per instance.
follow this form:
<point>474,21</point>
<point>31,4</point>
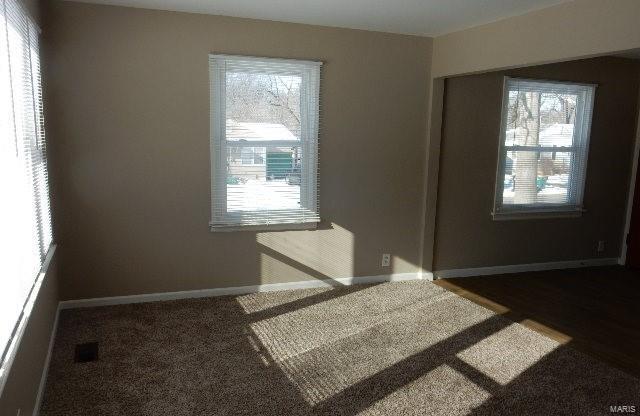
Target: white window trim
<point>309,114</point>
<point>536,211</point>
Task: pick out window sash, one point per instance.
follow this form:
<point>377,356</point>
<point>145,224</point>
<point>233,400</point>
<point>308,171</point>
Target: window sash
<point>579,150</point>
<point>541,205</point>
<point>542,149</point>
<point>264,143</point>
<point>221,217</point>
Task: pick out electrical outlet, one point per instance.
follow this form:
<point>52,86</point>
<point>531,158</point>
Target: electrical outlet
<point>600,246</point>
<point>386,260</point>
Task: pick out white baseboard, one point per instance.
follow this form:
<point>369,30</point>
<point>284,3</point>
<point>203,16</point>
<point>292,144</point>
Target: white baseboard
<point>427,276</point>
<point>47,360</point>
<point>241,290</point>
<point>518,268</point>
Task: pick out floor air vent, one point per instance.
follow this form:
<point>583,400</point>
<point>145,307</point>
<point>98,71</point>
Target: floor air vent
<point>86,352</point>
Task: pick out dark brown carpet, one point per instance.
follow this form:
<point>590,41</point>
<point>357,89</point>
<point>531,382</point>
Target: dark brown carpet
<point>391,349</point>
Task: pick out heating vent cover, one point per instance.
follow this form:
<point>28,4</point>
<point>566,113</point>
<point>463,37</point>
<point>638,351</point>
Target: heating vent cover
<point>86,352</point>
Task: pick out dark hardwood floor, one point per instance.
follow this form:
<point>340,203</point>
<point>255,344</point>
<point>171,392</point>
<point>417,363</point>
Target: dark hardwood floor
<point>594,310</point>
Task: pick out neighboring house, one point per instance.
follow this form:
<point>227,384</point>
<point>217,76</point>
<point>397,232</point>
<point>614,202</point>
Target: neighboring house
<point>255,157</point>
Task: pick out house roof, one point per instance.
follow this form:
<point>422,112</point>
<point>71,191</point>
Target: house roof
<point>255,132</point>
<point>558,134</point>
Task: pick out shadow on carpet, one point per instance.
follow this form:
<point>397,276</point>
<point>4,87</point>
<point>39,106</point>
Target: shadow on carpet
<point>408,348</point>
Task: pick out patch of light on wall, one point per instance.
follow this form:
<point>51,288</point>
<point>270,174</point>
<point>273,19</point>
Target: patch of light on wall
<point>328,252</point>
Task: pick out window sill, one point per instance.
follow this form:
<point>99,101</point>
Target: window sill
<point>265,227</point>
<point>536,214</point>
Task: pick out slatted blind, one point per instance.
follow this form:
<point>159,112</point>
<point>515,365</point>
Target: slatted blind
<point>25,219</point>
<point>544,146</point>
<point>264,141</point>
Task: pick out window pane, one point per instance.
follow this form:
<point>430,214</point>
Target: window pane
<point>262,106</point>
<point>532,177</point>
<point>557,119</point>
<point>263,178</point>
<point>540,119</point>
<point>251,155</point>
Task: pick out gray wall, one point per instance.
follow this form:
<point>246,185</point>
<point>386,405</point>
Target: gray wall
<point>128,116</point>
<point>466,235</point>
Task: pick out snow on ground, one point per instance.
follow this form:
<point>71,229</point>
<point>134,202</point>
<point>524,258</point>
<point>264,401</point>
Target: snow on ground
<point>554,192</point>
<point>548,195</point>
<point>263,195</point>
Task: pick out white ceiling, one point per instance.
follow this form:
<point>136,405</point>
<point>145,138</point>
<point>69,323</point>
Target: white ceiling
<point>417,17</point>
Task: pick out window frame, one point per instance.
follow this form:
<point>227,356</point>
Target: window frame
<point>580,150</point>
<point>309,71</point>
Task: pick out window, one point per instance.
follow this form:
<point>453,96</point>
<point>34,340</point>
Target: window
<point>543,149</point>
<point>252,155</point>
<point>264,142</point>
<point>24,212</point>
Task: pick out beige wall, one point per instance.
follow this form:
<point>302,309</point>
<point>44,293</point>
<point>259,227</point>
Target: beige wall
<point>572,30</point>
<point>128,113</point>
<point>466,235</point>
<point>21,388</point>
<point>576,29</point>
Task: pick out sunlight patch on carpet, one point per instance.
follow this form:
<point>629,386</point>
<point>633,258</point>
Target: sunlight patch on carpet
<point>334,351</point>
<point>350,316</point>
<point>505,355</point>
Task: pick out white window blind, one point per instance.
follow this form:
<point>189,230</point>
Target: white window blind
<point>264,141</point>
<point>543,147</point>
<point>25,218</point>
